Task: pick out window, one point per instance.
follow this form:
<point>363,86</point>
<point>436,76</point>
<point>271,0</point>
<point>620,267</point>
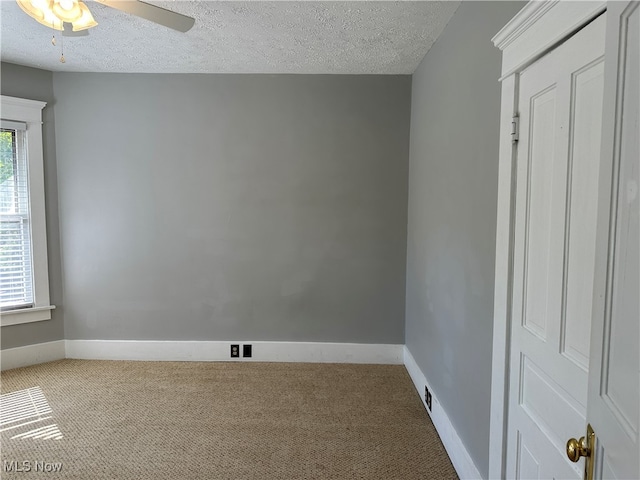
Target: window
<point>16,277</point>
<point>24,280</point>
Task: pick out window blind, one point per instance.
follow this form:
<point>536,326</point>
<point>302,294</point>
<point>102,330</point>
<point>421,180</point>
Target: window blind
<point>16,269</point>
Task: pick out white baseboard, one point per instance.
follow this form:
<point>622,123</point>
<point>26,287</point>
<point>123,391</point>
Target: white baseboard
<point>206,351</point>
<point>31,354</point>
<point>456,450</point>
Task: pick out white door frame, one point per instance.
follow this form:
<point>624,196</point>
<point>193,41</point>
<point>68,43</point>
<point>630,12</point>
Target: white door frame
<point>535,30</point>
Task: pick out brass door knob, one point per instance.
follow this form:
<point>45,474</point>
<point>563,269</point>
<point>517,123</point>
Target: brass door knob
<point>577,449</point>
<point>585,447</point>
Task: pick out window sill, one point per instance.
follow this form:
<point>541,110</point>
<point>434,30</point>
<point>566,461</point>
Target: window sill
<point>26,315</point>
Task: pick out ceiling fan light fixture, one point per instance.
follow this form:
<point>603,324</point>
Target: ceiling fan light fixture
<point>40,10</point>
<point>85,21</point>
<point>55,13</point>
<point>41,4</point>
<point>67,10</point>
<point>51,21</point>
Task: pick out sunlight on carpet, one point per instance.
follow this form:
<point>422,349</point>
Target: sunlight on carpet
<point>24,408</point>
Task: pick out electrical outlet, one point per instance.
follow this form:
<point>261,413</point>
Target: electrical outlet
<point>246,351</point>
<point>235,351</point>
<point>427,397</point>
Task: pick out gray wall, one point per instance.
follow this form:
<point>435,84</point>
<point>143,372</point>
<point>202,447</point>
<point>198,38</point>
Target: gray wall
<point>34,84</point>
<point>452,217</point>
<point>217,207</point>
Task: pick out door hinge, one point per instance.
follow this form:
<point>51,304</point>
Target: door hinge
<point>515,128</point>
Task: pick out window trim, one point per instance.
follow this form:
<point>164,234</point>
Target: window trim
<point>30,112</point>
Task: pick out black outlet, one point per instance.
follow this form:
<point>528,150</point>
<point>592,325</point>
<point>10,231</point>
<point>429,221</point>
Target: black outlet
<point>235,351</point>
<point>246,351</point>
<point>427,397</point>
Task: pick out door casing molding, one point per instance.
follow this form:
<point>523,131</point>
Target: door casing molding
<point>537,29</point>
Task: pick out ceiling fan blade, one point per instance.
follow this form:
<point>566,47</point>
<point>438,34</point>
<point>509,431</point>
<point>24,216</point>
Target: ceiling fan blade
<point>159,15</point>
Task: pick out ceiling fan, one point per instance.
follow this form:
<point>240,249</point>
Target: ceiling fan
<point>58,14</point>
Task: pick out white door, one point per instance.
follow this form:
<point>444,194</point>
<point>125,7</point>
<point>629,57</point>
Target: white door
<point>614,381</point>
<point>558,159</point>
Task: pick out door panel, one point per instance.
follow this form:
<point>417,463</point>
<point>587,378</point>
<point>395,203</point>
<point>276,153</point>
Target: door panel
<point>543,221</point>
<point>560,106</point>
<point>528,465</point>
<point>587,88</point>
<point>614,381</point>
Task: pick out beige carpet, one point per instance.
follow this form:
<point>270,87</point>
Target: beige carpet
<point>175,420</point>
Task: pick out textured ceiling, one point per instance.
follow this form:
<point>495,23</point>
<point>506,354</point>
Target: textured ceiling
<point>358,37</point>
